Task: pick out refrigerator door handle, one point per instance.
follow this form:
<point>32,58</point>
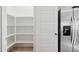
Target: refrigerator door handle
<point>75,31</point>
<point>71,31</point>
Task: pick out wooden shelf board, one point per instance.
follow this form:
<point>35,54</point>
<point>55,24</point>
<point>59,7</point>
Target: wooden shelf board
<point>24,41</point>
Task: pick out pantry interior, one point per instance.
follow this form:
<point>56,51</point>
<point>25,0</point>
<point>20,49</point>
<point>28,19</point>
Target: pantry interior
<point>20,29</point>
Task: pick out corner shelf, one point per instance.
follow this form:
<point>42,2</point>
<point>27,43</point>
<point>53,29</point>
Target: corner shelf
<point>10,35</point>
<point>11,45</point>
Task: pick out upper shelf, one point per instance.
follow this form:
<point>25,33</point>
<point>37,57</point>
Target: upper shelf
<point>19,34</point>
<point>20,25</point>
<point>24,33</point>
<point>24,21</point>
<point>25,25</point>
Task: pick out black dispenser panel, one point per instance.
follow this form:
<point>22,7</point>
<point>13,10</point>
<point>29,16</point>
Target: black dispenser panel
<point>66,31</point>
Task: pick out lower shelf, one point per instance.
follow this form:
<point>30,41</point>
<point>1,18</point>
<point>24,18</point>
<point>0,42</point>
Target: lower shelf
<point>22,49</point>
<point>19,42</point>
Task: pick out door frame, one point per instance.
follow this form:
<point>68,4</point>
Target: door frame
<point>1,28</point>
<point>59,30</point>
<point>4,29</point>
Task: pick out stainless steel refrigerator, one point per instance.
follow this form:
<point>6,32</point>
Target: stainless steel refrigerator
<point>69,30</point>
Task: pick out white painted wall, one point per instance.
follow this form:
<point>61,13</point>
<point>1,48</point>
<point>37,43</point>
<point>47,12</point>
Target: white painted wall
<point>24,11</point>
<point>10,10</point>
<point>20,11</point>
<point>45,29</point>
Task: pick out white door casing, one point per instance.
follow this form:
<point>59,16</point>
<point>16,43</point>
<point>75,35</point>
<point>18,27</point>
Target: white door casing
<point>4,29</point>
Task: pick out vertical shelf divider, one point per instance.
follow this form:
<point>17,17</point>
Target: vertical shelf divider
<point>15,29</point>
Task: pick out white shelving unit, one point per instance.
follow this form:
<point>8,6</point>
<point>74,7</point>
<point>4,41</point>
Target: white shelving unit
<point>24,30</point>
<point>10,30</point>
<point>19,30</point>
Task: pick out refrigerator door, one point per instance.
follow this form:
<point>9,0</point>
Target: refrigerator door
<point>66,37</point>
<point>0,28</point>
<point>76,39</point>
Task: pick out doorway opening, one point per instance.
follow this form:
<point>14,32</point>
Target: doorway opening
<point>20,29</point>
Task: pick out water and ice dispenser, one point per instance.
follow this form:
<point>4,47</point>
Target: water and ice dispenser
<point>66,30</point>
